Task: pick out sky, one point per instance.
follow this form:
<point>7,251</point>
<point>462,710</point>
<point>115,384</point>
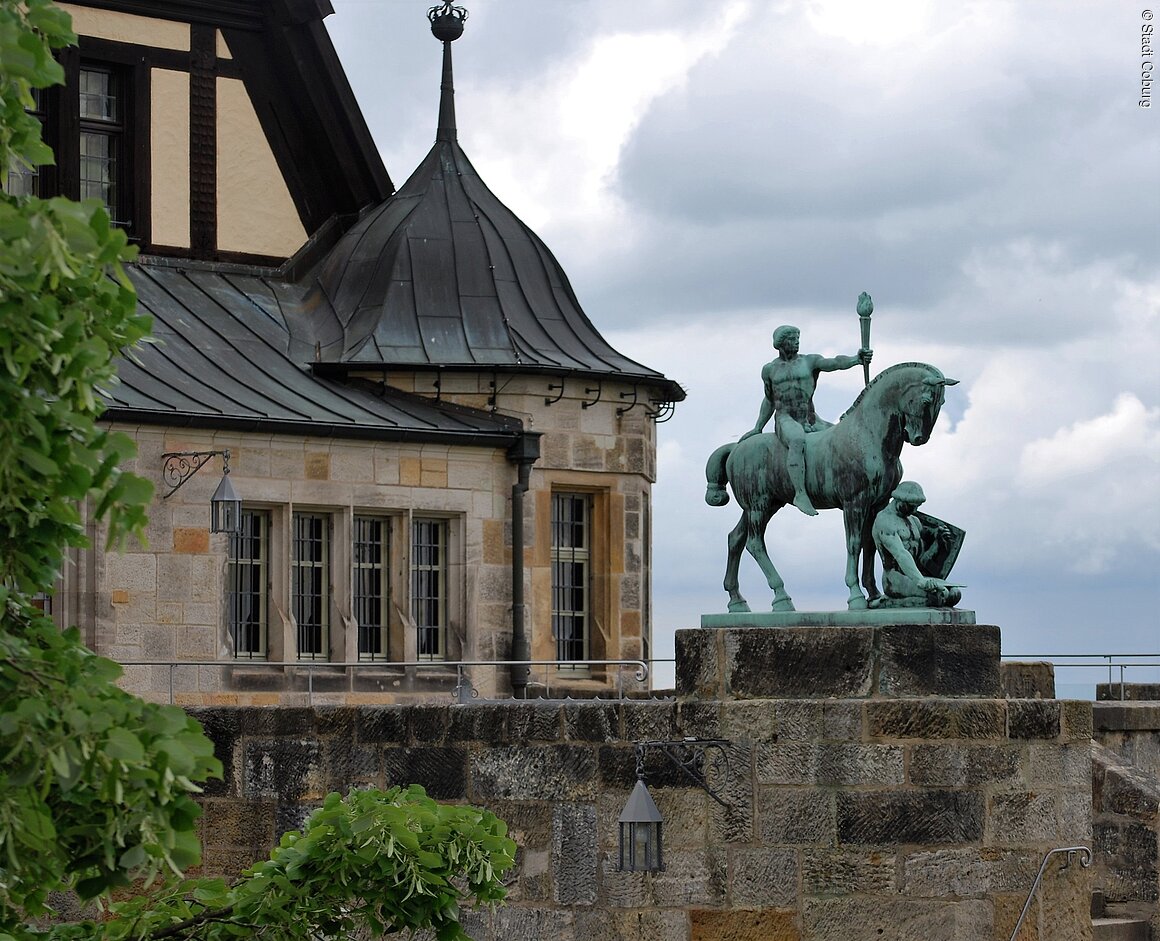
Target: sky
<point>706,170</point>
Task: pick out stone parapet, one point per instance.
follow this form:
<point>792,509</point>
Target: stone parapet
<point>878,661</point>
<point>845,818</point>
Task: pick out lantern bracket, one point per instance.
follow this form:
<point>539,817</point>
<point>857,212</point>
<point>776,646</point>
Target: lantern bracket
<point>689,756</point>
<point>178,466</point>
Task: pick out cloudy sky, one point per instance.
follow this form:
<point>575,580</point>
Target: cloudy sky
<point>708,169</point>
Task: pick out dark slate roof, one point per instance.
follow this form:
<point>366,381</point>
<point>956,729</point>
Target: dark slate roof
<point>444,275</point>
<point>226,356</point>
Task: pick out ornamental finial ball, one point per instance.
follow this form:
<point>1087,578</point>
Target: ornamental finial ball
<point>447,21</point>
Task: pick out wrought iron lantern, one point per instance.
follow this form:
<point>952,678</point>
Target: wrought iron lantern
<point>640,832</point>
<point>225,504</point>
<point>641,845</point>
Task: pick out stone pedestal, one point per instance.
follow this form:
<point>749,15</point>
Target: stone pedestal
<point>887,660</point>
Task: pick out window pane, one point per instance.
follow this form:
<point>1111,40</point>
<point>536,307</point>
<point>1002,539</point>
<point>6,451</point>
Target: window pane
<point>429,586</point>
<point>247,586</point>
<point>370,586</point>
<point>571,537</point>
<point>310,583</point>
<point>103,174</point>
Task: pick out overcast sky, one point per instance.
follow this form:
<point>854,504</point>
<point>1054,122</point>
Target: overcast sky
<point>706,170</point>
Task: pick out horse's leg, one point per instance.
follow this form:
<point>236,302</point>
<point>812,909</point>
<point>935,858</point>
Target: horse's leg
<point>853,520</point>
<point>869,582</point>
<point>736,544</point>
<point>758,520</point>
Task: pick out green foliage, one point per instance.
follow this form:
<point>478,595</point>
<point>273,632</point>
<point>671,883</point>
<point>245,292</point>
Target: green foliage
<point>66,308</point>
<point>95,783</point>
<point>374,861</point>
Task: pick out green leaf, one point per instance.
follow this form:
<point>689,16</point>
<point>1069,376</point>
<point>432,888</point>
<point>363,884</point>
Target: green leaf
<point>123,745</point>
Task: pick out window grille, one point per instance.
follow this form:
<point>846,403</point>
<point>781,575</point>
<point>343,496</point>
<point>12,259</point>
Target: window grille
<point>310,585</point>
<point>571,574</point>
<point>429,586</point>
<point>247,581</point>
<point>102,137</point>
<point>371,595</point>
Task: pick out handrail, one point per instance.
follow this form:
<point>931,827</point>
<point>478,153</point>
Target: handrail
<point>1121,661</point>
<point>1085,860</point>
<point>464,692</point>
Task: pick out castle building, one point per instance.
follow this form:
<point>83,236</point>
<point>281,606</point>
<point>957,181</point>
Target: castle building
<point>439,458</point>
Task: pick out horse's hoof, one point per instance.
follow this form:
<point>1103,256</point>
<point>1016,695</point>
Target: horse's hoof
<point>739,607</point>
<point>857,604</point>
<point>783,604</point>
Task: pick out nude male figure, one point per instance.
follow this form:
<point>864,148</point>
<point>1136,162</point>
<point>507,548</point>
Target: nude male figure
<point>790,381</point>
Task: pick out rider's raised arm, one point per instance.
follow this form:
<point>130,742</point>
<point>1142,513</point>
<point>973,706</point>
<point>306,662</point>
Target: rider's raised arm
<point>836,363</point>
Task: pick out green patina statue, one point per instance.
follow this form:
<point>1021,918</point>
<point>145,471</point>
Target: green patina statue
<point>917,552</point>
<point>852,465</point>
<point>790,381</point>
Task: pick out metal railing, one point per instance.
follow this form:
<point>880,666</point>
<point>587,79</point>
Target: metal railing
<point>1085,860</point>
<point>1112,662</point>
<point>463,691</point>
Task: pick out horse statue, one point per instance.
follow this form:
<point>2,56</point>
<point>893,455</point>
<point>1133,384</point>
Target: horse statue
<point>852,465</point>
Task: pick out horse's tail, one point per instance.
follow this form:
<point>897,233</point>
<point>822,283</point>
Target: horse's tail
<point>715,492</point>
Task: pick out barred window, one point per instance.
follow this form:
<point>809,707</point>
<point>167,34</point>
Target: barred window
<point>571,574</point>
<point>429,586</point>
<point>247,581</point>
<point>310,585</point>
<point>371,594</point>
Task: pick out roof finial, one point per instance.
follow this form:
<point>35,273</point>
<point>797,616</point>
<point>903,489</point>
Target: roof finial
<point>446,26</point>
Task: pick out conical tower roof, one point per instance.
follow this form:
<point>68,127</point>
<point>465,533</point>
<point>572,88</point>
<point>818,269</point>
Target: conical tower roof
<point>444,275</point>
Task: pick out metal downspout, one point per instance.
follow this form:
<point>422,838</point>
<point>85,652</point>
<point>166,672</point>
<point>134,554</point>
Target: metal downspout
<point>523,453</point>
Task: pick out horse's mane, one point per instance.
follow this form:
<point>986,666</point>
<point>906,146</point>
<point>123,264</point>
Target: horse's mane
<point>882,375</point>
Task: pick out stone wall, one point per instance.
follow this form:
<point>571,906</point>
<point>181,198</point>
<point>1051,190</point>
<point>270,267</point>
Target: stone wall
<point>1126,806</point>
<point>847,818</point>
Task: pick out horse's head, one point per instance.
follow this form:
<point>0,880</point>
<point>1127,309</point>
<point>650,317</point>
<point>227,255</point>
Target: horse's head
<point>921,403</point>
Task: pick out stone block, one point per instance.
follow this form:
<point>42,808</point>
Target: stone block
<point>381,724</point>
<point>762,878</point>
<point>939,660</point>
<point>888,818</point>
<point>691,877</point>
<point>1127,854</point>
<point>248,823</point>
<point>885,918</point>
<point>842,721</point>
<point>1021,818</point>
<point>1124,716</point>
<point>606,925</point>
<point>1027,679</point>
<point>732,780</point>
<point>830,764</point>
<point>188,540</point>
<point>796,815</point>
<point>551,772</point>
<point>698,672</point>
<point>511,921</point>
<point>1076,718</point>
<point>346,765</point>
<point>282,769</point>
<point>793,663</point>
<point>733,925</point>
<point>937,719</point>
<point>954,765</point>
<point>484,722</point>
<point>699,719</point>
<point>574,858</point>
<point>752,720</point>
<point>316,465</point>
<point>830,872</point>
<point>1033,718</point>
<point>441,771</point>
<point>591,722</point>
<point>533,722</point>
<point>428,723</point>
<point>977,871</point>
<point>649,721</point>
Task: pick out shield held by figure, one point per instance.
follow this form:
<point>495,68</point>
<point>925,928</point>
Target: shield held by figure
<point>941,542</point>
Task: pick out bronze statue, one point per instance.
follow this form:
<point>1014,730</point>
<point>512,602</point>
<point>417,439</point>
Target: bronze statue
<point>852,465</point>
<point>790,381</point>
<point>917,552</point>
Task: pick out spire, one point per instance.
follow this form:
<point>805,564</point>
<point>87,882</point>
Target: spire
<point>446,26</point>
